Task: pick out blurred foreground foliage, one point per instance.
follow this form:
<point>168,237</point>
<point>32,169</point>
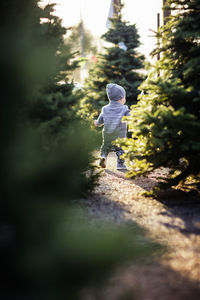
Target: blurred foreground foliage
<point>165,123</point>
<point>48,249</point>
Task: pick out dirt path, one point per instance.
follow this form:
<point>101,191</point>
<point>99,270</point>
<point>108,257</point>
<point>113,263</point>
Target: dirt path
<point>173,220</point>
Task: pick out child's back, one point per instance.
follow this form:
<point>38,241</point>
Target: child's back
<point>112,115</point>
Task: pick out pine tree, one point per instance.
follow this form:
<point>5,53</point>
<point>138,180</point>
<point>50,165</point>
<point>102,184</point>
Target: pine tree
<point>166,121</point>
<point>120,63</point>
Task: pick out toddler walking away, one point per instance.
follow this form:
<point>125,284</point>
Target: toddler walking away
<point>110,117</point>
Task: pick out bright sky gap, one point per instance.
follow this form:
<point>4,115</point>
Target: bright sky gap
<point>94,13</point>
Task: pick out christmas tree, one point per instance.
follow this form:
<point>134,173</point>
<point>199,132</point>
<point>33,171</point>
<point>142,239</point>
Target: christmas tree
<point>120,63</point>
<point>165,122</point>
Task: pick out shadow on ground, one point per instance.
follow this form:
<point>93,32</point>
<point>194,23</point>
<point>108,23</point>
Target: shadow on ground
<point>184,206</point>
<point>145,183</point>
<point>153,280</point>
<point>149,280</point>
<point>146,282</point>
<point>178,203</point>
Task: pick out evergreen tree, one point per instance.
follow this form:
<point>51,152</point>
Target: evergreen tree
<point>166,121</point>
<point>120,64</point>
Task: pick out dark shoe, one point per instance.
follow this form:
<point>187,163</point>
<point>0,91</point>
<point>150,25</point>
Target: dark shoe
<point>102,162</point>
<point>121,166</point>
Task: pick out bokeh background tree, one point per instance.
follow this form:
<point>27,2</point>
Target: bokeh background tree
<point>84,45</point>
<point>165,122</point>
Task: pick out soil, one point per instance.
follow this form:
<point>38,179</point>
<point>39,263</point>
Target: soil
<point>172,219</point>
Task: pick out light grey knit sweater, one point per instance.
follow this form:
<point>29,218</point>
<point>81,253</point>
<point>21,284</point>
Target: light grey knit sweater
<point>111,116</point>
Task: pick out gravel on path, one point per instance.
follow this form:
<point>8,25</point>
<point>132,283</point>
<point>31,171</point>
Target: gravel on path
<point>173,220</point>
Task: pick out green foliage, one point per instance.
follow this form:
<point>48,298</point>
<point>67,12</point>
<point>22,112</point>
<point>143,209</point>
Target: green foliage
<point>166,121</point>
<point>48,250</point>
<point>114,65</point>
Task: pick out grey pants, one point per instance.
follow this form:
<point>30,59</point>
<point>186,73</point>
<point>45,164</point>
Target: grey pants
<point>107,147</point>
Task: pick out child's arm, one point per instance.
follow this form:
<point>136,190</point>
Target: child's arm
<point>127,112</point>
<point>99,121</point>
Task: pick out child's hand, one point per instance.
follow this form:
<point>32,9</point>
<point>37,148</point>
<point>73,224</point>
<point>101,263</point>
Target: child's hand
<point>95,123</point>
